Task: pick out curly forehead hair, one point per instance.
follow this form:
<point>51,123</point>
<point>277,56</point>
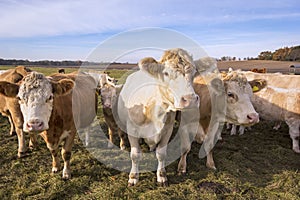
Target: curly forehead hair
<point>180,60</point>
<point>237,77</point>
<point>33,80</point>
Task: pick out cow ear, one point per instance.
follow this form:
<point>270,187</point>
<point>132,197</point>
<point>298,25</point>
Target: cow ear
<point>151,66</point>
<point>9,89</point>
<point>257,84</point>
<point>62,87</point>
<point>217,85</point>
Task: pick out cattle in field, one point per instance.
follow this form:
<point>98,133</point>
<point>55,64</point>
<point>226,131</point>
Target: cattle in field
<point>279,101</point>
<point>10,108</point>
<point>109,95</point>
<point>256,70</point>
<point>225,99</point>
<point>55,107</point>
<point>148,102</point>
<point>102,78</point>
<point>61,71</point>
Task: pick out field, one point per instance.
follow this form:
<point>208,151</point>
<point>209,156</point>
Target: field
<point>257,165</point>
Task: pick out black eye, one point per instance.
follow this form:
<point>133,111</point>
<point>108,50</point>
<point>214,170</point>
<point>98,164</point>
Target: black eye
<point>166,74</point>
<point>229,94</point>
<point>50,98</point>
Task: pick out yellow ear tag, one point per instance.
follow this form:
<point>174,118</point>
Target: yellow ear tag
<point>255,89</point>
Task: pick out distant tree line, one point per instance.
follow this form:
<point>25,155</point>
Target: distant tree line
<point>50,63</point>
<point>282,54</point>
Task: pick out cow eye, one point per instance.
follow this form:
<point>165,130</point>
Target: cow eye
<point>50,98</point>
<point>166,73</point>
<point>229,94</point>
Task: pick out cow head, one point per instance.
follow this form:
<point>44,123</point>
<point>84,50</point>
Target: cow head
<point>238,93</point>
<point>175,72</point>
<point>108,95</point>
<point>36,94</point>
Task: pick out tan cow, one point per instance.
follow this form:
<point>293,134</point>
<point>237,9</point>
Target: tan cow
<point>279,101</point>
<point>10,108</point>
<point>55,107</point>
<point>109,94</point>
<point>222,100</point>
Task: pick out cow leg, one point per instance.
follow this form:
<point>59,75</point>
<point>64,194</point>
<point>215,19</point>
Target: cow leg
<point>233,129</point>
<point>12,126</point>
<point>210,163</point>
<point>161,153</point>
<point>185,149</point>
<point>110,144</point>
<point>135,155</point>
<point>87,138</point>
<point>32,141</point>
<point>55,160</point>
<point>294,127</point>
<point>66,155</point>
<point>122,136</point>
<point>241,130</point>
<point>21,143</point>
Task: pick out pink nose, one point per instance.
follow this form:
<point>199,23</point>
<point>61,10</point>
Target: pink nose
<point>253,118</point>
<point>191,100</point>
<point>35,125</point>
<point>107,105</point>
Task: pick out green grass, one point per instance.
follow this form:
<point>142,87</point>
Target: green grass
<point>257,165</point>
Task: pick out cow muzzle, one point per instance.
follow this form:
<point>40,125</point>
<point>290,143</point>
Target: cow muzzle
<point>35,125</point>
<point>189,101</point>
<point>253,118</point>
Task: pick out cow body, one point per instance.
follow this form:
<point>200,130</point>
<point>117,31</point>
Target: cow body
<point>147,105</point>
<point>109,99</point>
<point>222,100</point>
<point>56,108</point>
<point>279,101</point>
<point>10,108</point>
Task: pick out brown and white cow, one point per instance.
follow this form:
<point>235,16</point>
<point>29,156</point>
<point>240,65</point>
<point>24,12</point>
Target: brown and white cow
<point>222,100</point>
<point>55,107</point>
<point>10,108</point>
<point>109,94</point>
<point>148,102</point>
<point>279,101</point>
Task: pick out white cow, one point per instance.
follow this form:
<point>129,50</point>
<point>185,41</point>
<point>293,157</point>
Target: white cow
<point>147,105</point>
<point>279,100</point>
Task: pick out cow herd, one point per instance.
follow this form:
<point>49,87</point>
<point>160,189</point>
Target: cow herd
<point>146,106</point>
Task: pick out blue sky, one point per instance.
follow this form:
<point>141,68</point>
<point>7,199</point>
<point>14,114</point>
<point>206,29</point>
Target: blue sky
<point>73,29</point>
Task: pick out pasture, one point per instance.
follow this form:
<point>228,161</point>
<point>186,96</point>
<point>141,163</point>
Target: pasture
<point>257,165</point>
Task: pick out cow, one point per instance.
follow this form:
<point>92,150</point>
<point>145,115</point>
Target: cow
<point>256,70</point>
<point>223,99</point>
<point>61,71</point>
<point>109,94</point>
<point>55,107</point>
<point>148,102</point>
<point>10,108</point>
<point>279,100</point>
<point>102,78</point>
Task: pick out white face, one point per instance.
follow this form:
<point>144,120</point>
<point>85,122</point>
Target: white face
<point>239,107</point>
<point>36,103</point>
<point>179,89</point>
<point>108,96</point>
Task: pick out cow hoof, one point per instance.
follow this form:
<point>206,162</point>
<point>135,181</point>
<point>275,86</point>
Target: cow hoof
<point>130,184</point>
<point>163,184</point>
<point>66,177</point>
<point>12,133</point>
<point>123,148</point>
<point>22,154</point>
<point>182,173</point>
<point>296,150</point>
<point>54,170</point>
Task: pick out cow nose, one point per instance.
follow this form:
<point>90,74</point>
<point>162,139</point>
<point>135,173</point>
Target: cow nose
<point>190,100</point>
<point>253,117</point>
<point>35,125</point>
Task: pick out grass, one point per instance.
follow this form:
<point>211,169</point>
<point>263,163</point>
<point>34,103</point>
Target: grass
<point>257,165</point>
